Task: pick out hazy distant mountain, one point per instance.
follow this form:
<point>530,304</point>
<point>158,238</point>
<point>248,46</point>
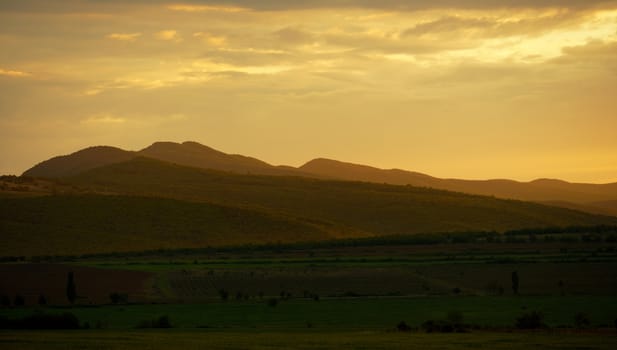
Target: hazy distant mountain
<point>592,198</point>
<point>357,172</point>
<point>589,197</point>
<point>151,203</point>
<point>376,209</point>
<point>79,162</point>
<point>187,153</point>
<point>197,155</point>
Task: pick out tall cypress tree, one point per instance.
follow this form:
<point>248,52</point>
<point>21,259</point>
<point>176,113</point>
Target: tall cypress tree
<point>71,293</point>
<point>515,282</point>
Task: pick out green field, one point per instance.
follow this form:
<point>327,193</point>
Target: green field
<point>344,314</point>
<point>306,339</point>
<point>338,294</point>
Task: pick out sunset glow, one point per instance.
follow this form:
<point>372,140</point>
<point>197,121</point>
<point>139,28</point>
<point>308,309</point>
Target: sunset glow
<point>468,89</point>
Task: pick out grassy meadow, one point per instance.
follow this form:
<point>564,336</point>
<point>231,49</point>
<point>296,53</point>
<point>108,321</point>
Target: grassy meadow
<point>306,339</point>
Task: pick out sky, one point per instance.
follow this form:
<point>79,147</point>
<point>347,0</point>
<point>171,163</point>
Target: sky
<point>472,89</point>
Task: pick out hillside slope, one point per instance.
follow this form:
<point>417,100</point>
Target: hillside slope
<point>559,192</point>
<point>197,155</point>
<point>365,207</point>
<point>592,198</point>
<point>51,225</point>
<point>79,162</point>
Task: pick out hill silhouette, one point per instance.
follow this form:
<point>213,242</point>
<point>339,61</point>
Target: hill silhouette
<point>187,153</point>
<point>592,198</point>
<point>51,225</point>
<point>78,162</point>
<point>144,203</point>
<point>377,209</point>
<point>197,155</point>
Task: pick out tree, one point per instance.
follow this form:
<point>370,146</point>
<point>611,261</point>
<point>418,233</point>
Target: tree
<point>224,294</point>
<point>515,282</point>
<point>71,293</point>
<point>403,327</point>
<point>19,300</point>
<point>530,320</point>
<point>581,320</point>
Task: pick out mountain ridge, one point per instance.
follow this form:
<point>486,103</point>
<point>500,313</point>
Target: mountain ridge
<point>595,198</point>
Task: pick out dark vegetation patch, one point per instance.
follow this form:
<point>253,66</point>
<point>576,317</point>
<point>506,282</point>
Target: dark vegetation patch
<point>41,321</point>
<point>92,285</point>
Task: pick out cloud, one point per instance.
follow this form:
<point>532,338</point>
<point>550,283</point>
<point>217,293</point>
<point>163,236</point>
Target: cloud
<point>448,24</point>
<point>206,8</point>
<point>13,73</point>
<point>602,54</point>
<point>211,39</point>
<point>235,6</point>
<point>167,35</point>
<point>124,36</point>
<point>401,5</point>
<point>105,119</point>
<point>293,36</point>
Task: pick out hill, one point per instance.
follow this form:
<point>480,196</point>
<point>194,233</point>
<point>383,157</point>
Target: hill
<point>377,209</point>
<point>187,153</point>
<point>594,198</point>
<point>197,155</point>
<point>51,225</point>
<point>79,162</point>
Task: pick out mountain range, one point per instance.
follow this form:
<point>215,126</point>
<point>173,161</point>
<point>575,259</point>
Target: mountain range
<point>170,195</point>
<point>591,198</point>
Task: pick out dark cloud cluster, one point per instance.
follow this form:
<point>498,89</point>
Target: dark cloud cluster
<point>277,5</point>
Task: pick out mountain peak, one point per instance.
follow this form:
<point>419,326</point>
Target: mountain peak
<point>545,181</point>
<point>358,172</point>
<point>80,161</point>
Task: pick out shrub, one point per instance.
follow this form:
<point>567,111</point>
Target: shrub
<point>581,320</point>
<point>161,322</point>
<point>224,294</point>
<point>455,318</point>
<point>273,302</point>
<point>42,321</point>
<point>403,327</point>
<point>118,298</point>
<point>453,323</point>
<point>19,300</point>
<point>530,320</point>
<point>439,326</point>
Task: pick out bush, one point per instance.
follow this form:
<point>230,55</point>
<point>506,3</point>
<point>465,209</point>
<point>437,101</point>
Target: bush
<point>42,321</point>
<point>273,302</point>
<point>19,300</point>
<point>455,318</point>
<point>453,323</point>
<point>439,326</point>
<point>530,320</point>
<point>119,298</point>
<point>224,294</point>
<point>581,320</point>
<point>161,322</point>
<point>403,327</point>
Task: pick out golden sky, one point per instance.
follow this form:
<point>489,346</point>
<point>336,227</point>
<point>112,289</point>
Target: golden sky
<point>469,88</point>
